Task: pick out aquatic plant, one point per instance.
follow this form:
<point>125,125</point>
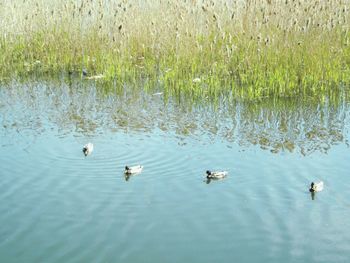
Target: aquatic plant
<point>206,48</point>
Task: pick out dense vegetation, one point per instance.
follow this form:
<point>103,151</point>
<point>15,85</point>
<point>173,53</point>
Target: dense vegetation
<point>253,49</point>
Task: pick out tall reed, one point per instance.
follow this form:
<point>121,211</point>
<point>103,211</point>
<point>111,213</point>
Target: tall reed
<point>251,49</point>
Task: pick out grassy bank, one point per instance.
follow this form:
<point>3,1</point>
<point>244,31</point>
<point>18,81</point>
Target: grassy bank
<point>201,48</point>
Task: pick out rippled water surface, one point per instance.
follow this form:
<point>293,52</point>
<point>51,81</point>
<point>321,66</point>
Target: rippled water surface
<point>59,206</point>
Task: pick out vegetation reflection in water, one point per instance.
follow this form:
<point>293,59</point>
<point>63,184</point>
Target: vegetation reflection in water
<point>304,125</point>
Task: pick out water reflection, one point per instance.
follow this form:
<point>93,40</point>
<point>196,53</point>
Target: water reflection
<point>209,180</point>
<point>312,195</point>
<point>127,177</point>
<point>278,125</point>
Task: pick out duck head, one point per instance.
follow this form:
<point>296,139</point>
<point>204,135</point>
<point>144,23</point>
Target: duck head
<point>208,172</point>
<point>312,187</point>
<point>126,167</point>
<point>85,151</point>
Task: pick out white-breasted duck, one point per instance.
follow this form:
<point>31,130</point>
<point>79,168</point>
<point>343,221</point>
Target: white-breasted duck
<point>216,174</point>
<point>316,187</point>
<point>133,169</point>
<point>88,148</point>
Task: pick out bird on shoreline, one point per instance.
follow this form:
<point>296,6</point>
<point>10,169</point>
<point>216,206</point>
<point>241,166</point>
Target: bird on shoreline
<point>88,148</point>
<point>316,187</point>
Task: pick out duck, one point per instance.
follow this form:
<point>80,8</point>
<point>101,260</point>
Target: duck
<point>316,187</point>
<point>216,174</point>
<point>88,148</point>
<point>133,169</point>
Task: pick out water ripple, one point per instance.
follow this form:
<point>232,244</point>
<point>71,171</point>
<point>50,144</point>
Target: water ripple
<point>60,206</point>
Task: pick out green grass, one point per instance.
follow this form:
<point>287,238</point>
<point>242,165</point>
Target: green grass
<point>265,48</point>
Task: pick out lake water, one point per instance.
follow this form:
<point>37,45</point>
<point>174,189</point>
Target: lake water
<point>59,206</point>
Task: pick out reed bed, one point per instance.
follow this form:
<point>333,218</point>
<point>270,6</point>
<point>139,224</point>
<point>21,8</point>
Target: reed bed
<point>251,49</point>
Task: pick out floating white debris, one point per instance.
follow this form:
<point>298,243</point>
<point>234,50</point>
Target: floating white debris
<point>100,76</point>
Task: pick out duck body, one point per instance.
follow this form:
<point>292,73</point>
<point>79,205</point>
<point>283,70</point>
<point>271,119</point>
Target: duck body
<point>133,169</point>
<point>88,148</point>
<point>316,187</point>
<point>216,174</point>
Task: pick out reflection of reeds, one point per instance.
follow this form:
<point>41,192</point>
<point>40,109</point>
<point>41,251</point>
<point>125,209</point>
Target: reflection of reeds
<point>254,49</point>
<point>285,125</point>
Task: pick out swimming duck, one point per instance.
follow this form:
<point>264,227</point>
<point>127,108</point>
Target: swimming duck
<point>216,174</point>
<point>88,148</point>
<point>316,187</point>
<point>133,169</point>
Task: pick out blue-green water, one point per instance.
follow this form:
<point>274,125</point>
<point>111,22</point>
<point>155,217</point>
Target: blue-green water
<point>59,206</point>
